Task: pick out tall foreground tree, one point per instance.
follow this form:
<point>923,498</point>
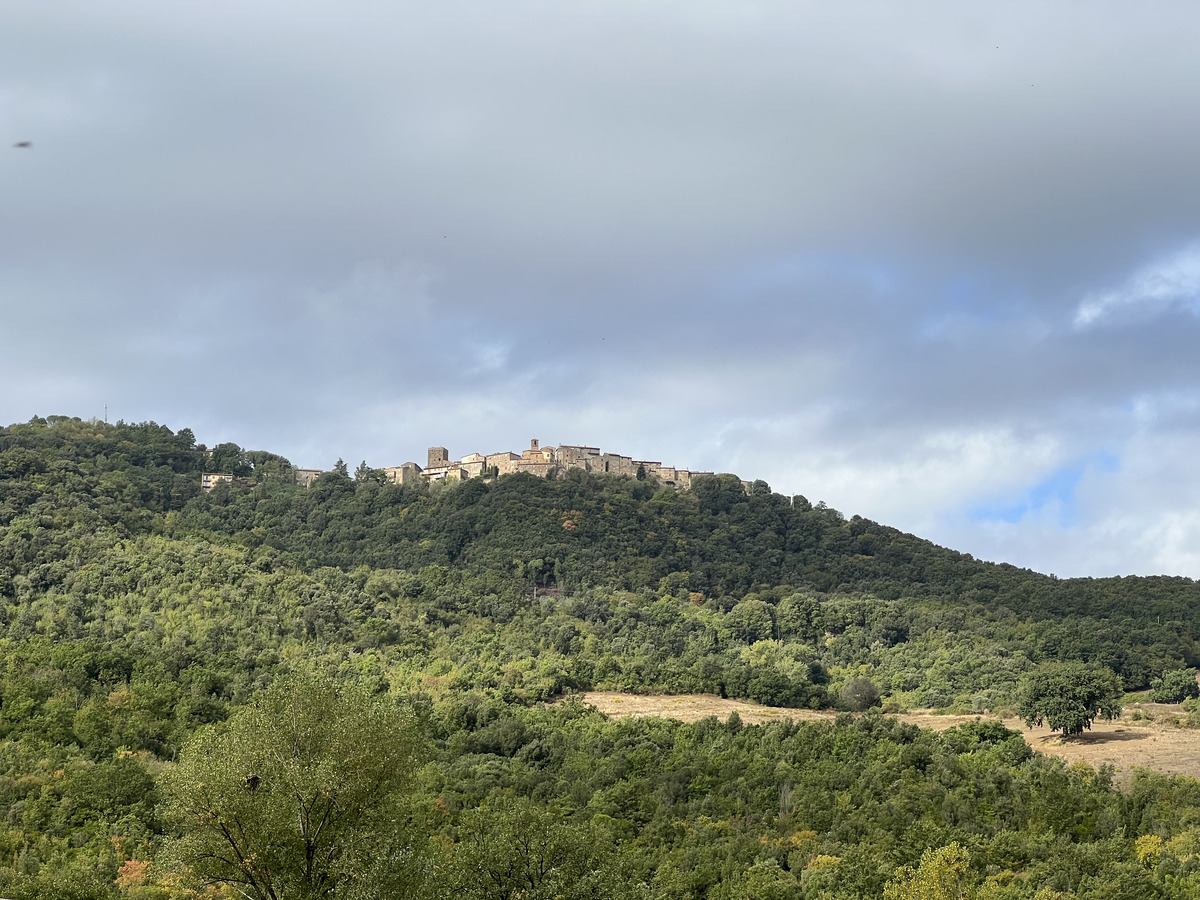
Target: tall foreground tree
<point>1069,696</point>
<point>302,795</point>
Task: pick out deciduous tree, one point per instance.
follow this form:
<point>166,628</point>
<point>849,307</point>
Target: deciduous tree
<point>302,795</point>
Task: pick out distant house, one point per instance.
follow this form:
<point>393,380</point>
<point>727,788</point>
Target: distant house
<point>474,464</point>
<point>440,467</point>
<point>576,456</point>
<point>306,477</point>
<point>503,463</point>
<point>408,473</point>
<point>210,480</point>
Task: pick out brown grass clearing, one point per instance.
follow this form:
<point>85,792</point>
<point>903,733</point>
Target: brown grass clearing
<point>1124,743</point>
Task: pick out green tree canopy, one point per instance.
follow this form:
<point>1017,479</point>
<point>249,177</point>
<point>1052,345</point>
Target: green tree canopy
<point>941,875</point>
<point>512,848</point>
<point>302,795</point>
<point>1069,696</point>
<point>229,457</point>
<point>1175,687</point>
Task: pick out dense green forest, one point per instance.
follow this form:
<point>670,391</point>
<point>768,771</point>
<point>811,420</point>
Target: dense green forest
<point>137,615</point>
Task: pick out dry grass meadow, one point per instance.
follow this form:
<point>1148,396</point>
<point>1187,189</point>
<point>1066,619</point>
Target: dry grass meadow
<point>1141,738</point>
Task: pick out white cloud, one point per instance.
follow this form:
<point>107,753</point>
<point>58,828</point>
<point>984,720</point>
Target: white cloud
<point>910,479</point>
<point>1142,518</point>
<point>1171,281</point>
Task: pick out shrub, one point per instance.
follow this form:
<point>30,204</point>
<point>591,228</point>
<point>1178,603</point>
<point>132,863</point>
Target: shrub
<point>859,694</point>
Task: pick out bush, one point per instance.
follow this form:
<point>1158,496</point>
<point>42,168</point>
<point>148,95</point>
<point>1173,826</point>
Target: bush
<point>859,694</point>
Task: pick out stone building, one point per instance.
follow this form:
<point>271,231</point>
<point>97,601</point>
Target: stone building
<point>408,473</point>
<point>441,467</point>
<point>306,477</point>
<point>571,456</point>
<point>537,460</point>
<point>503,463</point>
<point>677,478</point>
<point>616,464</point>
<point>473,464</point>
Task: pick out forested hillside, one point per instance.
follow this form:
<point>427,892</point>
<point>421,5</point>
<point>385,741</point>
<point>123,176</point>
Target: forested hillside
<point>137,612</point>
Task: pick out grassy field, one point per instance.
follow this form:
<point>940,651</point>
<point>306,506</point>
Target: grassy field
<point>1142,738</point>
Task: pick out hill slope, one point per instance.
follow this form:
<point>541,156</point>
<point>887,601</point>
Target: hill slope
<point>637,587</point>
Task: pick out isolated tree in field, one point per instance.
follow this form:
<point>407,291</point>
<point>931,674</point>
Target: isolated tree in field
<point>1069,696</point>
<point>302,795</point>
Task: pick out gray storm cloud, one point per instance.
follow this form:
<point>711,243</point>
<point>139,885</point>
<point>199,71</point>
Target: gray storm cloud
<point>916,260</point>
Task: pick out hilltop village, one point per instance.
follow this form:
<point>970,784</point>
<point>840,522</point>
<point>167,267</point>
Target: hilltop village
<point>544,462</point>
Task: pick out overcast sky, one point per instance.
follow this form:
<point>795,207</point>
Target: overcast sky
<point>937,264</point>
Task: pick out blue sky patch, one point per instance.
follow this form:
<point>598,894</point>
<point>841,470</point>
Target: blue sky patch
<point>1057,489</point>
